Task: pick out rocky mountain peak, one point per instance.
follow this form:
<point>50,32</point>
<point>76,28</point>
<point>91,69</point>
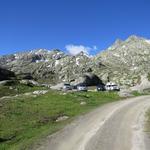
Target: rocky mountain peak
<point>134,38</point>
<point>118,42</point>
<point>124,62</point>
<point>56,50</point>
<point>82,54</point>
<point>38,51</point>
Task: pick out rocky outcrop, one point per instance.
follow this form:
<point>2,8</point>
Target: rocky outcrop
<point>6,74</point>
<point>48,66</point>
<point>29,82</point>
<point>124,63</point>
<point>88,79</point>
<point>144,85</point>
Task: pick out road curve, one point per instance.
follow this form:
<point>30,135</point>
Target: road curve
<point>114,126</point>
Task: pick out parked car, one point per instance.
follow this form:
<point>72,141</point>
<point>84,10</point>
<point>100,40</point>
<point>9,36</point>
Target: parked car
<point>110,86</point>
<point>82,87</point>
<point>100,88</point>
<point>74,87</point>
<point>67,86</point>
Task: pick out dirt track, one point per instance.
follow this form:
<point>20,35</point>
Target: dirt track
<point>115,126</point>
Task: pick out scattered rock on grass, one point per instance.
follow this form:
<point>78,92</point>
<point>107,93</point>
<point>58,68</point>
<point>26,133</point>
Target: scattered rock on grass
<point>29,82</point>
<point>83,103</point>
<point>62,118</point>
<point>11,88</point>
<point>5,97</point>
<point>125,93</point>
<point>28,94</point>
<point>58,86</point>
<point>62,93</point>
<point>42,92</point>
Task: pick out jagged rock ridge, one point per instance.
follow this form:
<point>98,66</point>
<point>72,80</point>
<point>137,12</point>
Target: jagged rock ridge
<point>124,62</point>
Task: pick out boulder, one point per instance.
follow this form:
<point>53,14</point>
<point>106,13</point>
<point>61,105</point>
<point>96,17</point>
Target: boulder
<point>58,86</point>
<point>29,82</point>
<point>42,92</point>
<point>62,118</point>
<point>143,85</point>
<point>125,93</point>
<point>89,79</point>
<point>6,74</point>
<point>83,103</point>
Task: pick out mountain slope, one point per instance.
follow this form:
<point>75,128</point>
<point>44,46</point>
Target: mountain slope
<point>124,62</point>
<point>127,60</point>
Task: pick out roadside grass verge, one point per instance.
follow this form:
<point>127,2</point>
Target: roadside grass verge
<point>25,121</point>
<point>136,93</point>
<point>147,127</point>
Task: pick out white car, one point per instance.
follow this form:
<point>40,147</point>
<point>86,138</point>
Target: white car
<point>82,88</point>
<point>110,86</point>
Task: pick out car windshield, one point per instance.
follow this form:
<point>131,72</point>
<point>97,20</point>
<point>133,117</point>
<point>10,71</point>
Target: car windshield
<point>111,85</point>
<point>66,84</point>
<point>99,86</point>
<point>82,86</point>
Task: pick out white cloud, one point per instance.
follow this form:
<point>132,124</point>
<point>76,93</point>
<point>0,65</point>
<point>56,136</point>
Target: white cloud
<point>76,49</point>
<point>95,47</point>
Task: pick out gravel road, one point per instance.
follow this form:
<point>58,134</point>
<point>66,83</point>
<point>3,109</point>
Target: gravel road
<point>114,126</point>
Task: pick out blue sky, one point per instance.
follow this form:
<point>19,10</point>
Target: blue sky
<point>85,24</point>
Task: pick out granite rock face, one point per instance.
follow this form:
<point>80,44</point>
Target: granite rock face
<point>127,60</point>
<point>124,63</point>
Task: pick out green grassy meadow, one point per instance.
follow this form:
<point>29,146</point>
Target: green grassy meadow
<point>16,88</point>
<point>25,120</point>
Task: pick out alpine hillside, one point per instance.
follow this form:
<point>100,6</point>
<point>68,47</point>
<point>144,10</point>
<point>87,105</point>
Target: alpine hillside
<point>125,62</point>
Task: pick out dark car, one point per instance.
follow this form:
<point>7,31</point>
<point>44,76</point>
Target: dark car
<point>74,87</point>
<point>101,88</point>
